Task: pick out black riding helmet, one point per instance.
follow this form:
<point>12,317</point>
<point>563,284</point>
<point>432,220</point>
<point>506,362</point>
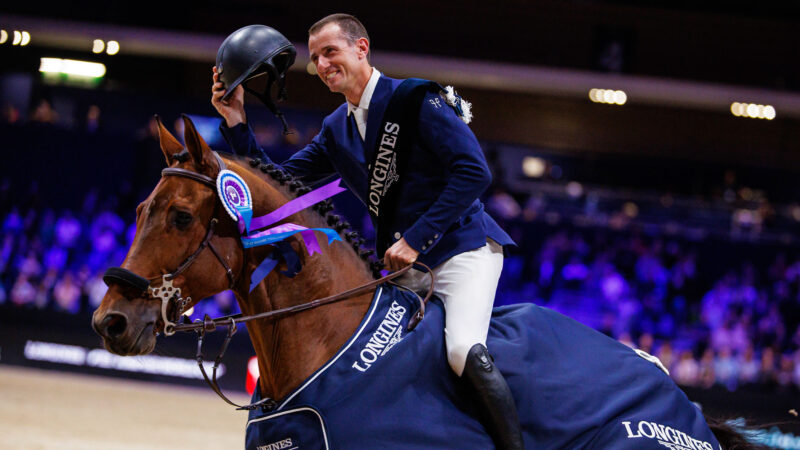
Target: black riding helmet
<point>251,52</point>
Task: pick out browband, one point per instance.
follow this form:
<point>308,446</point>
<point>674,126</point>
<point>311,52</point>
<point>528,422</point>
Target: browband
<point>208,181</point>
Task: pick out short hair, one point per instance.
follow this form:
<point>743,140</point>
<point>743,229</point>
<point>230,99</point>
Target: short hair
<point>352,28</point>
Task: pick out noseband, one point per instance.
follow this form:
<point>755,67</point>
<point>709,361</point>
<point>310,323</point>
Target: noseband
<point>166,291</point>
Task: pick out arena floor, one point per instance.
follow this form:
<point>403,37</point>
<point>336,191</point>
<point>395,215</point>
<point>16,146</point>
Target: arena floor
<point>49,410</point>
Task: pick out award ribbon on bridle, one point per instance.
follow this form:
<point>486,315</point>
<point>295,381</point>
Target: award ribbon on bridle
<point>238,203</point>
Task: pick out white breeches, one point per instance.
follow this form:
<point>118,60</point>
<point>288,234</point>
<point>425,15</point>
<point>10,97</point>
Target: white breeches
<point>466,283</point>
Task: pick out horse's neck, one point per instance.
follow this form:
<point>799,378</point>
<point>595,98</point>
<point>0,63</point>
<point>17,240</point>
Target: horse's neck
<point>291,349</point>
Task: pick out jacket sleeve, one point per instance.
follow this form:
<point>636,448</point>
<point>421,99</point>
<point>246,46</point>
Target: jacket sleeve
<point>310,164</point>
<point>444,133</point>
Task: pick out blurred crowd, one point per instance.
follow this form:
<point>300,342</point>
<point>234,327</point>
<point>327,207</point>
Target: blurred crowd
<point>55,260</point>
<point>715,310</point>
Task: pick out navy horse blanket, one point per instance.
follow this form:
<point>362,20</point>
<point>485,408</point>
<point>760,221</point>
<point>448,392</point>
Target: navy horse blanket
<point>389,388</point>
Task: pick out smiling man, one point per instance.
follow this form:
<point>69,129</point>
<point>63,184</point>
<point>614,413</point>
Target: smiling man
<point>404,148</point>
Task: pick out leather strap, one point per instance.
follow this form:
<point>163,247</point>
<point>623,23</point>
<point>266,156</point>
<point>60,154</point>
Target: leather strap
<point>210,324</point>
<point>199,177</point>
<point>125,277</point>
<point>188,261</point>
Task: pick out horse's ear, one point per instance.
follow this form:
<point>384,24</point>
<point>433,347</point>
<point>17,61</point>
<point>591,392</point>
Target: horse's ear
<point>200,151</point>
<point>169,145</point>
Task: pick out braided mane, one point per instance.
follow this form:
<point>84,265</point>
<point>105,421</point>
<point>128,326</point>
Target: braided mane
<point>293,188</point>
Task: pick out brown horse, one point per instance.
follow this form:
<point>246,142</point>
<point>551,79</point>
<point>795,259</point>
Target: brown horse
<point>171,224</point>
<point>184,238</point>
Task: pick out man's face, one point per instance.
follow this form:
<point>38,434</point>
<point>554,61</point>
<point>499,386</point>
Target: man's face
<point>337,60</point>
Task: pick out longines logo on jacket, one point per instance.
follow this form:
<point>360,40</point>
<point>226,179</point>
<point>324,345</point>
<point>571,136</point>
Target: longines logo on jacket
<point>385,171</point>
<point>383,339</point>
<point>666,436</point>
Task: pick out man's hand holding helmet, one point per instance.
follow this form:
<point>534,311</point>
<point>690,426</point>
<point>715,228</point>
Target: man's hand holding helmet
<point>232,109</point>
<point>251,52</point>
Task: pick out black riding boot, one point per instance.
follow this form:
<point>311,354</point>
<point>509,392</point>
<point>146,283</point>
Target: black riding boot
<point>494,397</point>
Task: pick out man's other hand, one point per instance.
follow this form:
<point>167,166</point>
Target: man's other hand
<point>399,255</point>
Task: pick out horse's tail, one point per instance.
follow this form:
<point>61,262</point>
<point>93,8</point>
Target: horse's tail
<point>733,437</point>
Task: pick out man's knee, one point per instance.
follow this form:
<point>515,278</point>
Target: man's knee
<point>457,354</point>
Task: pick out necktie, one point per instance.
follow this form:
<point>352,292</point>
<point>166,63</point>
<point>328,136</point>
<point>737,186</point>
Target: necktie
<point>361,121</point>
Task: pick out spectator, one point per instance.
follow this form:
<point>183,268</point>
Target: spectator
<point>29,265</point>
<point>715,303</point>
<point>55,258</point>
<point>626,339</point>
<point>687,371</point>
<point>646,343</point>
<point>95,289</point>
<point>502,205</point>
<point>612,284</point>
<point>67,294</point>
<point>13,222</point>
<point>44,113</point>
<point>706,369</point>
<point>6,251</point>
<point>93,119</point>
<point>45,288</point>
<point>722,336</point>
<point>767,372</point>
<point>749,367</point>
<point>796,369</point>
<point>770,330</point>
<point>666,355</point>
<point>68,230</point>
<point>23,293</point>
<point>726,369</point>
<point>783,377</point>
<point>574,273</point>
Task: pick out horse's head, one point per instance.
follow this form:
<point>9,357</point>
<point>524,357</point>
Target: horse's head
<point>181,229</point>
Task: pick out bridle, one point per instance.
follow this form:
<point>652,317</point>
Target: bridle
<point>167,292</point>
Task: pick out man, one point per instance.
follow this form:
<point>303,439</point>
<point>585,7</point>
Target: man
<point>434,216</point>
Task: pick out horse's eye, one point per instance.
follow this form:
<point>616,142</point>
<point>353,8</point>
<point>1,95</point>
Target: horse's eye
<point>181,220</point>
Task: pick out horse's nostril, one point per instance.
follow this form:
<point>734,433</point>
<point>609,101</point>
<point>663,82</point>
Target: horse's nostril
<point>113,325</point>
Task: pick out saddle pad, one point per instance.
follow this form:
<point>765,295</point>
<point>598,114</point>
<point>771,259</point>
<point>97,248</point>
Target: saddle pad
<point>574,387</point>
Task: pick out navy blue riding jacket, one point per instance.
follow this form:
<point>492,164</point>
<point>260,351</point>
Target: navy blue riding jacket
<point>438,211</point>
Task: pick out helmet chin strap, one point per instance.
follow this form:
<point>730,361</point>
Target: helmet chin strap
<point>266,96</point>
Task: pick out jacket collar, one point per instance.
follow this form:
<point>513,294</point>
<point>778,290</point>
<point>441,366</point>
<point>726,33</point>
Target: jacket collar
<point>380,100</point>
<point>366,96</point>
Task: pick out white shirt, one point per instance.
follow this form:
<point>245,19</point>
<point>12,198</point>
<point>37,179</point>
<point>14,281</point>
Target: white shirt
<point>360,111</point>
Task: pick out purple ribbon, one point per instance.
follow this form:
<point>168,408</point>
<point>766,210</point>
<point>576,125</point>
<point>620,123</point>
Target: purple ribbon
<point>277,234</point>
<point>285,230</point>
<point>263,270</point>
<point>292,207</point>
<point>282,251</point>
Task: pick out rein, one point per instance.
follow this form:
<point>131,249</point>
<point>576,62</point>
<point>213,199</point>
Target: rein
<point>207,325</point>
<point>166,292</point>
